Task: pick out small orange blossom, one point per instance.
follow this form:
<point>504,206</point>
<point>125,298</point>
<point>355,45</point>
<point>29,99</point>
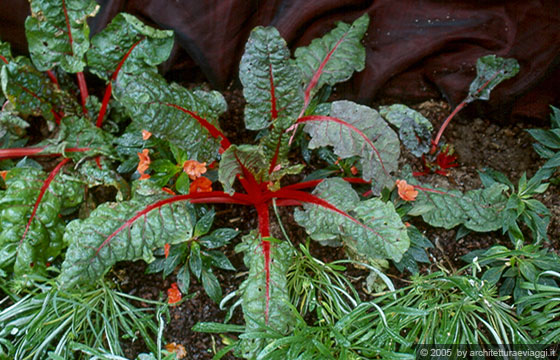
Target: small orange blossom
<point>201,184</point>
<point>173,294</point>
<point>406,191</point>
<point>146,134</point>
<point>143,164</point>
<point>194,169</point>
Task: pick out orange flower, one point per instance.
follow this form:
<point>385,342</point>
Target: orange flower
<point>166,248</point>
<point>194,169</point>
<point>406,191</point>
<point>201,184</point>
<point>3,174</point>
<point>354,170</point>
<point>146,134</point>
<point>144,164</point>
<point>173,294</point>
<point>178,349</point>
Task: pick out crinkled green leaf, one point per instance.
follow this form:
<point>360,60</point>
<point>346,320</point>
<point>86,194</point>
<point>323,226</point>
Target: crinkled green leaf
<point>127,230</point>
<point>415,137</point>
<point>396,113</point>
<point>43,241</point>
<point>490,71</point>
<point>271,81</point>
<point>249,155</point>
<point>150,102</point>
<point>340,52</point>
<point>381,235</point>
<point>414,129</point>
<point>253,291</point>
<point>31,92</point>
<point>58,34</point>
<point>377,163</point>
<point>79,132</point>
<point>478,210</point>
<point>150,47</point>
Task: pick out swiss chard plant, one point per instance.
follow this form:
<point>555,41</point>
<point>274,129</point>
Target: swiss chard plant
<point>415,130</point>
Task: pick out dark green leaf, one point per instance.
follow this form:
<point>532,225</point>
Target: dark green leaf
<point>152,104</point>
<point>490,71</point>
<point>195,261</point>
<point>204,224</point>
<point>340,52</point>
<point>377,162</point>
<point>182,185</point>
<point>381,234</point>
<point>553,162</point>
<point>490,176</point>
<point>32,93</point>
<point>150,47</point>
<point>218,238</point>
<point>79,132</point>
<point>155,266</point>
<point>271,81</point>
<point>43,241</point>
<point>493,274</point>
<point>414,129</point>
<point>177,253</point>
<point>478,210</point>
<point>549,138</point>
<point>253,291</point>
<point>94,175</point>
<point>58,34</point>
<point>127,230</point>
<point>211,285</point>
<point>5,52</point>
<point>218,259</point>
<point>184,279</point>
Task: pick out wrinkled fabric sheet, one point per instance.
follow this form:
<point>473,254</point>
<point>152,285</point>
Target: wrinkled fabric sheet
<point>416,49</point>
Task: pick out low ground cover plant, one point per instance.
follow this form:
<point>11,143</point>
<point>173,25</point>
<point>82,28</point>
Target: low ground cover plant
<point>157,149</point>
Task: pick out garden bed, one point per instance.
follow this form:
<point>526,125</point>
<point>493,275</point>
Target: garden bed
<point>155,220</point>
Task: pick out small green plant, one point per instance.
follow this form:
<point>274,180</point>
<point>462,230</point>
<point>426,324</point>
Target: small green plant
<point>521,206</point>
<point>438,308</point>
<point>510,269</point>
<point>542,307</point>
<point>54,322</point>
<point>197,256</point>
<point>490,71</point>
